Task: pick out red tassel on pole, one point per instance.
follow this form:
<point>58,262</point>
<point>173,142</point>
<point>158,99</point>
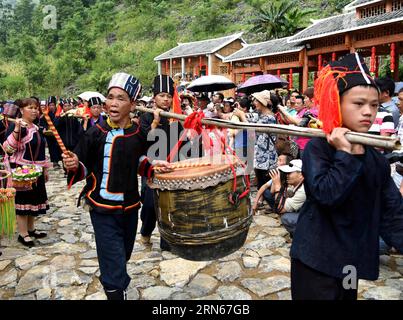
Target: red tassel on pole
<point>243,77</point>
<point>392,57</point>
<point>278,73</point>
<point>334,56</point>
<point>372,67</point>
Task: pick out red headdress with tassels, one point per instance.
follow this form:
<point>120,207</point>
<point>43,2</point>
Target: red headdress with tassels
<point>335,79</point>
<point>327,97</point>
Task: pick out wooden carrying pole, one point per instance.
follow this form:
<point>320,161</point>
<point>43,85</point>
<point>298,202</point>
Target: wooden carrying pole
<point>353,137</point>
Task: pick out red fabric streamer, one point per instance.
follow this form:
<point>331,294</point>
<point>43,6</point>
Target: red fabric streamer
<point>372,66</point>
<point>59,110</point>
<point>176,103</point>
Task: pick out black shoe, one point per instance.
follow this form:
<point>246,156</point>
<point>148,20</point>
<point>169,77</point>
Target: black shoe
<point>56,165</point>
<point>116,294</point>
<point>37,235</point>
<point>28,244</point>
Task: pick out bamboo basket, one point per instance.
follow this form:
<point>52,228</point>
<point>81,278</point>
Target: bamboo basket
<point>24,184</point>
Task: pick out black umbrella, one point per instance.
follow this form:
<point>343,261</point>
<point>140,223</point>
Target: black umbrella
<point>211,83</point>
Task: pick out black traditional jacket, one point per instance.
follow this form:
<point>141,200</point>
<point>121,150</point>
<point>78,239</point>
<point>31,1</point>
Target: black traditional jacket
<point>110,159</point>
<point>351,202</point>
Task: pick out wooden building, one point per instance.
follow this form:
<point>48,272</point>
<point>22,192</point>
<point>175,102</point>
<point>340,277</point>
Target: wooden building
<point>373,28</point>
<point>194,59</point>
<point>274,56</point>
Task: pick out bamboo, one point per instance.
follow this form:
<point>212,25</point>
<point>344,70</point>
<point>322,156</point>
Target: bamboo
<point>353,137</point>
<point>23,124</point>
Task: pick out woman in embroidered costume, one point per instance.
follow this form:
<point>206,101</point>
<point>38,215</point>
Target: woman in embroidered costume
<point>26,146</point>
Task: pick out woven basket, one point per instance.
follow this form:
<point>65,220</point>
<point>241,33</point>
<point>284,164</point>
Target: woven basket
<point>23,185</point>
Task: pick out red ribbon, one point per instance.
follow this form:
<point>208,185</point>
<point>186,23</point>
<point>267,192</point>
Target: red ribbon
<point>372,67</point>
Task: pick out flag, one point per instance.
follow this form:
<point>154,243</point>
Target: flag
<point>176,103</point>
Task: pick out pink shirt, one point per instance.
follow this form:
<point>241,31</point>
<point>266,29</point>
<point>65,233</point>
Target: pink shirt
<point>302,141</point>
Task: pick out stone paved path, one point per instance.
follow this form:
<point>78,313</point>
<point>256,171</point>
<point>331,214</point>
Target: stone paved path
<point>64,265</point>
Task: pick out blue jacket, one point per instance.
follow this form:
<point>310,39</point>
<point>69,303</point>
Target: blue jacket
<point>351,201</point>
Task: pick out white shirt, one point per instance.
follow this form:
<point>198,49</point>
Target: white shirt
<point>295,203</point>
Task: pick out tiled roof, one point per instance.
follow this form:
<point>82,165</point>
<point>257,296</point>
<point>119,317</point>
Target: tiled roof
<point>360,3</point>
<point>263,49</point>
<point>198,47</point>
<point>343,23</point>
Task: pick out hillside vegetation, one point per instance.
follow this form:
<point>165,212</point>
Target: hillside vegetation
<point>92,39</point>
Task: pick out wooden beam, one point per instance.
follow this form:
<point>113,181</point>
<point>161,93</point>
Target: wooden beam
<point>349,42</point>
<point>305,71</point>
<point>262,64</point>
<point>285,65</point>
<point>336,48</point>
<point>378,41</point>
<point>246,69</point>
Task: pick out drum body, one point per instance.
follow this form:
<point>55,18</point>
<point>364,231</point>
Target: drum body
<point>194,212</point>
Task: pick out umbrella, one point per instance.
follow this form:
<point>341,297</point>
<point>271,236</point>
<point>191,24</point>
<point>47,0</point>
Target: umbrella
<point>262,82</point>
<point>211,83</point>
<point>92,94</point>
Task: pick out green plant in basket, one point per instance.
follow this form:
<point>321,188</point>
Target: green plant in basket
<point>26,172</point>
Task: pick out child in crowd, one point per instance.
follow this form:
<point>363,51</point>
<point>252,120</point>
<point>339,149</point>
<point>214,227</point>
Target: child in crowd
<point>351,197</point>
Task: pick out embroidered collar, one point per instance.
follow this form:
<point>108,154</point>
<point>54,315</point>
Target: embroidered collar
<point>115,126</point>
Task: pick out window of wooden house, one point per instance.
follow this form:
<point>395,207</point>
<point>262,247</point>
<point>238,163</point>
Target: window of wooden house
<point>373,11</point>
<point>223,69</point>
<point>397,5</point>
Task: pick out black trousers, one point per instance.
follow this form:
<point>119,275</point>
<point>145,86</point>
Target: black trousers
<point>114,237</point>
<point>309,284</point>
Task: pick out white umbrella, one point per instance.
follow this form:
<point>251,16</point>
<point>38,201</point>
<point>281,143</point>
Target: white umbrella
<point>211,83</point>
<point>92,94</point>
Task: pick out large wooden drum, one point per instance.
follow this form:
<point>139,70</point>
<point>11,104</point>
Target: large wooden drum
<point>198,212</point>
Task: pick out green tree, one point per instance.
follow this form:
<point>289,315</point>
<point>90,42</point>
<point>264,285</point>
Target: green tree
<point>6,17</point>
<point>280,19</point>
